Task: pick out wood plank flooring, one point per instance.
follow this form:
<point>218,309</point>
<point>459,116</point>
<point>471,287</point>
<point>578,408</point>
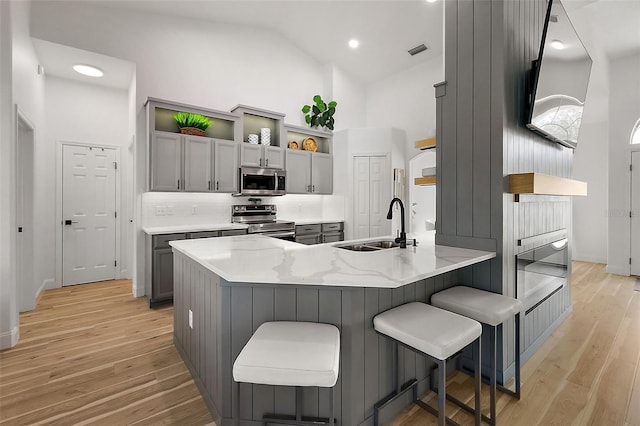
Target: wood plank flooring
<point>93,354</point>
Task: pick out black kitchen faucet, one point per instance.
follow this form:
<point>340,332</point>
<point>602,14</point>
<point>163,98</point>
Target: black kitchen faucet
<point>402,239</point>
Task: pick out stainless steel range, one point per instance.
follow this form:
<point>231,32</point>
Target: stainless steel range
<point>261,219</point>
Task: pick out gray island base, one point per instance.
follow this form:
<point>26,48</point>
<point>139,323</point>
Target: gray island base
<point>225,312</point>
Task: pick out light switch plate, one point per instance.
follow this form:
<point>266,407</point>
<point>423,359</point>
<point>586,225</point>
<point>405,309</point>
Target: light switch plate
<point>190,318</point>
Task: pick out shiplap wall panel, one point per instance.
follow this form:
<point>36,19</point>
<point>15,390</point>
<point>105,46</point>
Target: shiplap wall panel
<point>489,46</point>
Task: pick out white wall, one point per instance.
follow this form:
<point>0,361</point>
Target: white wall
<point>624,111</point>
<point>350,95</point>
<point>407,101</point>
<point>87,114</point>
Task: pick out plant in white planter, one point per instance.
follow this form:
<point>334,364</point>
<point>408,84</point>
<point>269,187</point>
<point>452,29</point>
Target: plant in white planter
<point>321,113</point>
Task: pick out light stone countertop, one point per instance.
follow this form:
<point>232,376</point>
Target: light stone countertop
<point>156,230</point>
<point>260,259</point>
<point>314,221</point>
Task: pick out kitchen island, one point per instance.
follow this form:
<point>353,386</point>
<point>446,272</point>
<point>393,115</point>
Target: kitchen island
<point>224,288</point>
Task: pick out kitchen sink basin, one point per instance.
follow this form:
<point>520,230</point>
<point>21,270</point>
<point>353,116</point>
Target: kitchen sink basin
<point>370,246</point>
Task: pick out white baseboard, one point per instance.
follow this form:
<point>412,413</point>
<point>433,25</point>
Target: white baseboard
<point>8,339</point>
<point>47,284</point>
<point>590,259</point>
<point>618,270</point>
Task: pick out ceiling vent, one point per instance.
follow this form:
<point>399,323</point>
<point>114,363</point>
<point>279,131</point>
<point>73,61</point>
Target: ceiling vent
<point>417,49</point>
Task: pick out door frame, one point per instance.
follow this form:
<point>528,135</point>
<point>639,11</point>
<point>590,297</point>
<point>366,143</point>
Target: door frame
<point>59,146</point>
<point>25,247</point>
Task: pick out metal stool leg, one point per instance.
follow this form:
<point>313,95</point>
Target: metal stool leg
<point>517,395</point>
<point>442,392</point>
<point>331,402</point>
<point>237,416</point>
<point>478,381</point>
<point>493,337</point>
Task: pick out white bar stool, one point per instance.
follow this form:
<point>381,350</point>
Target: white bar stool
<point>289,353</point>
<point>488,308</point>
<point>435,333</point>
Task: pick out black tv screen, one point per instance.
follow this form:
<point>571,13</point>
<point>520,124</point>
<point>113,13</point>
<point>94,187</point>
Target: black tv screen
<point>559,80</point>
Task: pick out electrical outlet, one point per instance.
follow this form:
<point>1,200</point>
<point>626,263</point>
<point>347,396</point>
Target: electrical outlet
<point>190,318</point>
<point>161,210</point>
<point>169,210</point>
<point>194,209</point>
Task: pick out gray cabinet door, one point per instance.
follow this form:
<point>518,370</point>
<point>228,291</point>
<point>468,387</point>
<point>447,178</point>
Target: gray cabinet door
<point>166,162</point>
<point>250,155</point>
<point>162,274</point>
<point>225,168</point>
<point>298,171</point>
<point>321,173</point>
<point>308,239</point>
<point>273,157</point>
<point>231,232</point>
<point>197,164</point>
<point>332,237</point>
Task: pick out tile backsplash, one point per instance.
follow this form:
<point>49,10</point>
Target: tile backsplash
<point>174,209</point>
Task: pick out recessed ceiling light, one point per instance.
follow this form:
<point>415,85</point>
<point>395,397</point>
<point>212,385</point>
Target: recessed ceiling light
<point>557,44</point>
<point>431,1</point>
<point>353,43</point>
<point>89,70</point>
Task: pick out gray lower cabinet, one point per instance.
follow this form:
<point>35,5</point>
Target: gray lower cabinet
<point>317,233</point>
<point>159,275</point>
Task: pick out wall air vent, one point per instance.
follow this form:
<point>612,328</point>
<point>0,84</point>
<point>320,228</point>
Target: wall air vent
<point>417,49</point>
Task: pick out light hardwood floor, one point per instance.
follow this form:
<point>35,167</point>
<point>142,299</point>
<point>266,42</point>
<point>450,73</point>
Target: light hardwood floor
<point>94,354</point>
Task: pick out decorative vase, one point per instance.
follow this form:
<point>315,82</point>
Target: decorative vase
<point>265,136</point>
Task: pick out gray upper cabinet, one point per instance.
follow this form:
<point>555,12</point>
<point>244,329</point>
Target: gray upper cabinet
<point>273,157</point>
<point>321,173</point>
<point>166,161</point>
<point>309,173</point>
<point>179,162</point>
<point>197,164</point>
<point>250,155</point>
<point>225,158</point>
<point>298,171</point>
<point>261,156</point>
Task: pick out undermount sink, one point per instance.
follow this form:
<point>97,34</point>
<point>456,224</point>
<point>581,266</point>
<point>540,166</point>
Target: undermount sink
<point>370,246</point>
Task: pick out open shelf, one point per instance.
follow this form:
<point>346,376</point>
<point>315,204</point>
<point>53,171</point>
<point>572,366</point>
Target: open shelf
<point>540,184</point>
<point>425,180</point>
<point>428,143</point>
<point>300,133</point>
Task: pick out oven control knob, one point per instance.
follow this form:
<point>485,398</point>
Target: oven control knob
<point>236,208</point>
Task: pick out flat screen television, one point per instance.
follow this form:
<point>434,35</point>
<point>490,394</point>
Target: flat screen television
<point>559,80</point>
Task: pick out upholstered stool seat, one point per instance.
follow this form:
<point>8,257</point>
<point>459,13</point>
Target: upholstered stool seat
<point>488,308</point>
<point>288,353</point>
<point>433,332</point>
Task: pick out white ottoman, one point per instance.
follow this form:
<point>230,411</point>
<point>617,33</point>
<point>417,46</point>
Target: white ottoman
<point>289,353</point>
<point>488,308</point>
<point>433,332</point>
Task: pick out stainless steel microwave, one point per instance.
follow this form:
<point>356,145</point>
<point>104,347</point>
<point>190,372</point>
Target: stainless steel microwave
<point>260,181</point>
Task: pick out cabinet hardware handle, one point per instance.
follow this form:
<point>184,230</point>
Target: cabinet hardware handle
<point>178,183</point>
<point>217,185</point>
<point>266,162</point>
<point>209,186</point>
<point>313,188</point>
<point>261,162</point>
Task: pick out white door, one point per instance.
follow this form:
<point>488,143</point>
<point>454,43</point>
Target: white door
<point>361,197</point>
<point>380,178</point>
<point>635,213</point>
<point>24,214</point>
<point>371,196</point>
<point>88,214</point>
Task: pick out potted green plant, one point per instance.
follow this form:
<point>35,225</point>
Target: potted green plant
<point>192,124</point>
<point>321,113</point>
